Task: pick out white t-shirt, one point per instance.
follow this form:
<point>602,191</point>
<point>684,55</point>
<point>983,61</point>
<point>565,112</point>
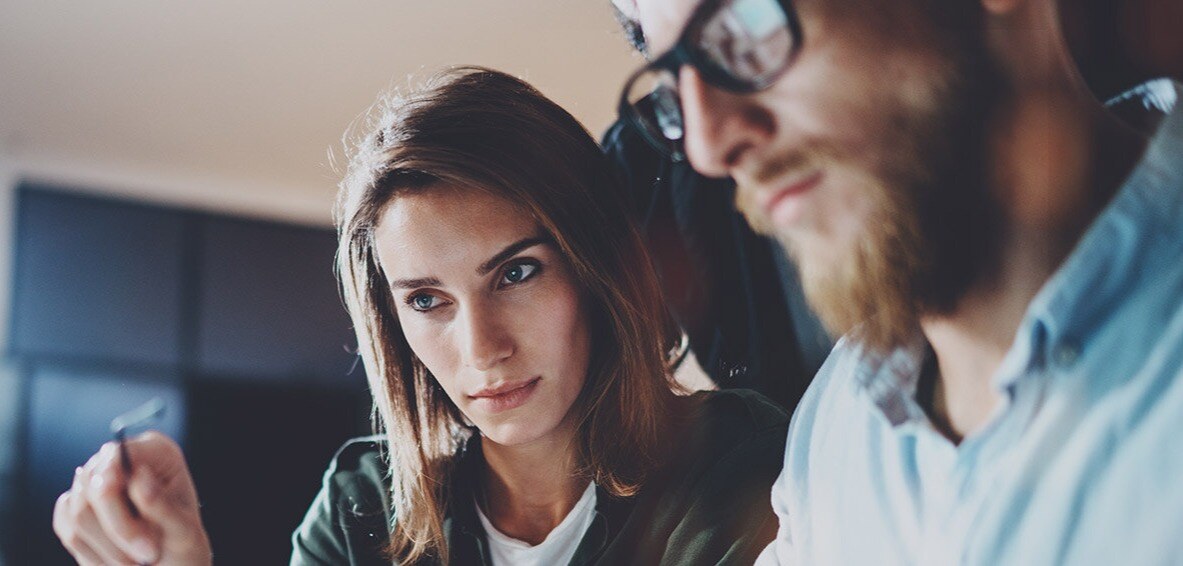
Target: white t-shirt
<point>559,546</point>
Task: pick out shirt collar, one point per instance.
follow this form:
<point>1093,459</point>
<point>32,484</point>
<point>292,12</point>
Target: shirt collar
<point>889,379</point>
<point>1112,253</point>
<point>1066,309</point>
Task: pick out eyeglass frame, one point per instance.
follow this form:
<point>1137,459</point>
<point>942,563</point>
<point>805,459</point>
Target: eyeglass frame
<point>683,52</point>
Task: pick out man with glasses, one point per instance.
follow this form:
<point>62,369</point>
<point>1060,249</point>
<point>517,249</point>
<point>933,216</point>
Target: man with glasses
<point>758,332</point>
<point>998,251</point>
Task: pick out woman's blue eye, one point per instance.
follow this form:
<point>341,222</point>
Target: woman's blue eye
<point>518,272</point>
<point>422,302</point>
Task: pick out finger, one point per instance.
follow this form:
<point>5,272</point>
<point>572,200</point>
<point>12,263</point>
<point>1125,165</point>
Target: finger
<point>79,531</point>
<point>95,537</point>
<point>77,500</point>
<point>108,496</point>
<point>163,456</point>
<point>159,503</point>
<point>85,555</point>
<point>162,490</point>
<point>66,528</point>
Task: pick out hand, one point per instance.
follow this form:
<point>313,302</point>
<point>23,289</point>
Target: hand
<point>150,516</point>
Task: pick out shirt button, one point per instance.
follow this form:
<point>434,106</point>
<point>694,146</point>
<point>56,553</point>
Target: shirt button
<point>1066,354</point>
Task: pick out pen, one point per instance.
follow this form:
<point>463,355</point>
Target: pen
<point>138,417</point>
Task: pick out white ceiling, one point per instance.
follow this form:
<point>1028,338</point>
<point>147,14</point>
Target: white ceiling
<point>233,105</point>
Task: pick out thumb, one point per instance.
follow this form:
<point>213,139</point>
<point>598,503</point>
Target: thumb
<point>167,502</point>
<point>162,490</point>
<point>160,455</point>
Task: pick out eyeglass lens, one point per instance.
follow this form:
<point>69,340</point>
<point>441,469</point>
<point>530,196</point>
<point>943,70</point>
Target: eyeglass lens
<point>746,41</point>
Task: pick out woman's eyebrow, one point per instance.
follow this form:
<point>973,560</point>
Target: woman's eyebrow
<point>509,252</point>
<point>415,283</point>
<point>481,270</point>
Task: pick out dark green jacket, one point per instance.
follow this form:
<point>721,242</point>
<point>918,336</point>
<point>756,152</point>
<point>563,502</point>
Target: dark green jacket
<point>709,505</point>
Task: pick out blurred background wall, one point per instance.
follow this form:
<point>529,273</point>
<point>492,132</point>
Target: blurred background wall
<point>165,230</point>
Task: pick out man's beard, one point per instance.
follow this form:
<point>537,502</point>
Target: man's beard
<point>931,231</point>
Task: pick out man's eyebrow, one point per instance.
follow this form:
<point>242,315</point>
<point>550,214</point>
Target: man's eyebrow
<point>509,252</point>
<point>632,30</point>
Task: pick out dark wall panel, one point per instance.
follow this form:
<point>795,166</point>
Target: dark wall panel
<point>258,454</point>
<point>269,306</point>
<point>236,323</point>
<point>70,413</point>
<point>96,279</point>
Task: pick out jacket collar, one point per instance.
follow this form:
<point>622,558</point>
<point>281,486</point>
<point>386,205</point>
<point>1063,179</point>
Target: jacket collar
<point>467,542</point>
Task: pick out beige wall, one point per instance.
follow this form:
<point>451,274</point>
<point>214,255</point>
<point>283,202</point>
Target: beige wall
<point>9,392</point>
<point>7,225</point>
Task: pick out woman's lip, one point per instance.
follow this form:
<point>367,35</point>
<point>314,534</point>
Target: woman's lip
<point>787,193</point>
<point>502,388</point>
<point>506,396</point>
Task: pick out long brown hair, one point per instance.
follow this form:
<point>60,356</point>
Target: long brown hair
<point>482,129</point>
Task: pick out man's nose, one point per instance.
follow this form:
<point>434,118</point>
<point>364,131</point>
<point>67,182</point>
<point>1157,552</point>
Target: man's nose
<point>486,342</point>
<point>720,126</point>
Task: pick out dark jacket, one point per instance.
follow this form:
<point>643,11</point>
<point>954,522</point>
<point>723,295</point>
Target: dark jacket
<point>746,318</point>
<point>709,505</point>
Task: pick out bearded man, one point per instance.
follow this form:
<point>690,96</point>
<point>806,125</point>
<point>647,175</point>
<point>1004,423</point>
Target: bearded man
<point>998,251</point>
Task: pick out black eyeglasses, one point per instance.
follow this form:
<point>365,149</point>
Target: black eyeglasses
<point>737,45</point>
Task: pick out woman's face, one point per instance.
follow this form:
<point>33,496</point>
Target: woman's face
<point>490,306</point>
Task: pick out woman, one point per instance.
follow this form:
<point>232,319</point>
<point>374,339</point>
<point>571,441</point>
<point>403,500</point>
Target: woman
<point>515,341</point>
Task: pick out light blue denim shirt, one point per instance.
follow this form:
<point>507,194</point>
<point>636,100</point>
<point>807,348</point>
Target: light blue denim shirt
<point>1082,463</point>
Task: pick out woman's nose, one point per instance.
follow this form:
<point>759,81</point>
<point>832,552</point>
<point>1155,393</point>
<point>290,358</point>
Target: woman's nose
<point>486,341</point>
